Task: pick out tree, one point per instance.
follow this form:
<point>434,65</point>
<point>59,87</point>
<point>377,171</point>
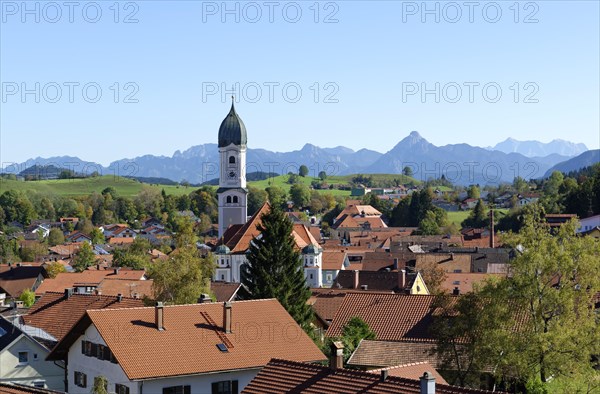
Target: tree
<point>520,185</point>
<point>429,225</point>
<point>303,170</point>
<point>185,275</point>
<point>407,171</point>
<point>293,179</point>
<point>540,322</point>
<point>56,237</point>
<point>28,297</point>
<point>433,276</point>
<point>100,385</point>
<point>354,331</point>
<point>300,195</point>
<point>84,258</point>
<point>134,256</point>
<point>477,217</point>
<point>466,330</point>
<point>97,236</point>
<point>256,199</point>
<point>276,196</point>
<point>54,269</point>
<point>274,268</point>
<point>555,278</point>
<point>473,192</point>
<point>322,175</point>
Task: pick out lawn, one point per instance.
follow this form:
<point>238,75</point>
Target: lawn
<point>458,216</point>
<point>77,187</point>
<point>129,187</point>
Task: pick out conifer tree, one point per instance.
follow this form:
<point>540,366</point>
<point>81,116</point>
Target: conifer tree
<point>274,268</point>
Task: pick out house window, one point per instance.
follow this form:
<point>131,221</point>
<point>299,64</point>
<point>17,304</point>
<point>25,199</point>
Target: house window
<point>228,199</point>
<point>121,389</point>
<point>235,199</point>
<point>40,384</point>
<point>177,390</point>
<point>23,357</point>
<point>225,387</point>
<point>329,277</point>
<point>311,276</point>
<point>231,159</point>
<point>222,277</point>
<point>80,379</point>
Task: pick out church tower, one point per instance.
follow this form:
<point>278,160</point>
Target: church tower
<point>232,193</point>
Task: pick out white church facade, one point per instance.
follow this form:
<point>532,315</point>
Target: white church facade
<point>236,231</point>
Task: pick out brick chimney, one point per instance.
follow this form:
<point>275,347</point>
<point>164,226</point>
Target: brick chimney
<point>159,316</point>
<point>401,280</point>
<point>336,360</point>
<point>227,317</point>
<point>384,375</point>
<point>427,383</point>
<point>356,279</point>
<point>119,297</point>
<point>68,292</point>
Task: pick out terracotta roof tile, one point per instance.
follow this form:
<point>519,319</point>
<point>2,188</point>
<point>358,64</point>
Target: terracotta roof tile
<point>412,371</point>
<point>393,317</point>
<point>261,330</point>
<point>14,280</point>
<point>56,314</point>
<point>283,376</point>
<point>133,288</point>
<point>371,353</point>
<point>464,281</point>
<point>66,280</point>
<point>224,291</point>
<point>333,260</point>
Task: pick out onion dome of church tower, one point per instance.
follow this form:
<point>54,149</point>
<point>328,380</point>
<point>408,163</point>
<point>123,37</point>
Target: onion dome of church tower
<point>232,130</point>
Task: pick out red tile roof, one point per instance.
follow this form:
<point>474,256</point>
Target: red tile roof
<point>224,291</point>
<point>133,288</point>
<point>371,353</point>
<point>56,314</point>
<point>465,281</point>
<point>16,279</point>
<point>66,280</point>
<point>261,330</point>
<point>283,376</point>
<point>392,317</point>
<point>333,260</point>
<point>412,371</point>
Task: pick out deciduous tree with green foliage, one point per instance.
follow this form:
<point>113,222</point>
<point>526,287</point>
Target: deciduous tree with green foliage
<point>185,275</point>
<point>274,268</point>
<point>300,195</point>
<point>303,170</point>
<point>56,237</point>
<point>84,258</point>
<point>28,297</point>
<point>54,269</point>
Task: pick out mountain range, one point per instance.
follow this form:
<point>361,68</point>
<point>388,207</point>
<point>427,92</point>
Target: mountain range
<point>460,163</point>
<point>540,149</point>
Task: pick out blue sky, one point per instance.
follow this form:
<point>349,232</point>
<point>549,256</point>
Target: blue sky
<point>369,66</point>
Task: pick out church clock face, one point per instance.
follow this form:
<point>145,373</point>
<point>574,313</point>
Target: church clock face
<point>231,174</point>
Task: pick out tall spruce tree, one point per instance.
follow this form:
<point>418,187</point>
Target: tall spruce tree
<point>274,268</point>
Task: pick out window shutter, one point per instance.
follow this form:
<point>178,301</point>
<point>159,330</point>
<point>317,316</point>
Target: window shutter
<point>84,380</point>
<point>187,390</point>
<point>94,350</point>
<point>234,387</point>
<point>83,343</point>
<point>215,387</point>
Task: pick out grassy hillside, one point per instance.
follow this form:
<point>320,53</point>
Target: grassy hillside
<point>77,187</point>
<point>129,187</point>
